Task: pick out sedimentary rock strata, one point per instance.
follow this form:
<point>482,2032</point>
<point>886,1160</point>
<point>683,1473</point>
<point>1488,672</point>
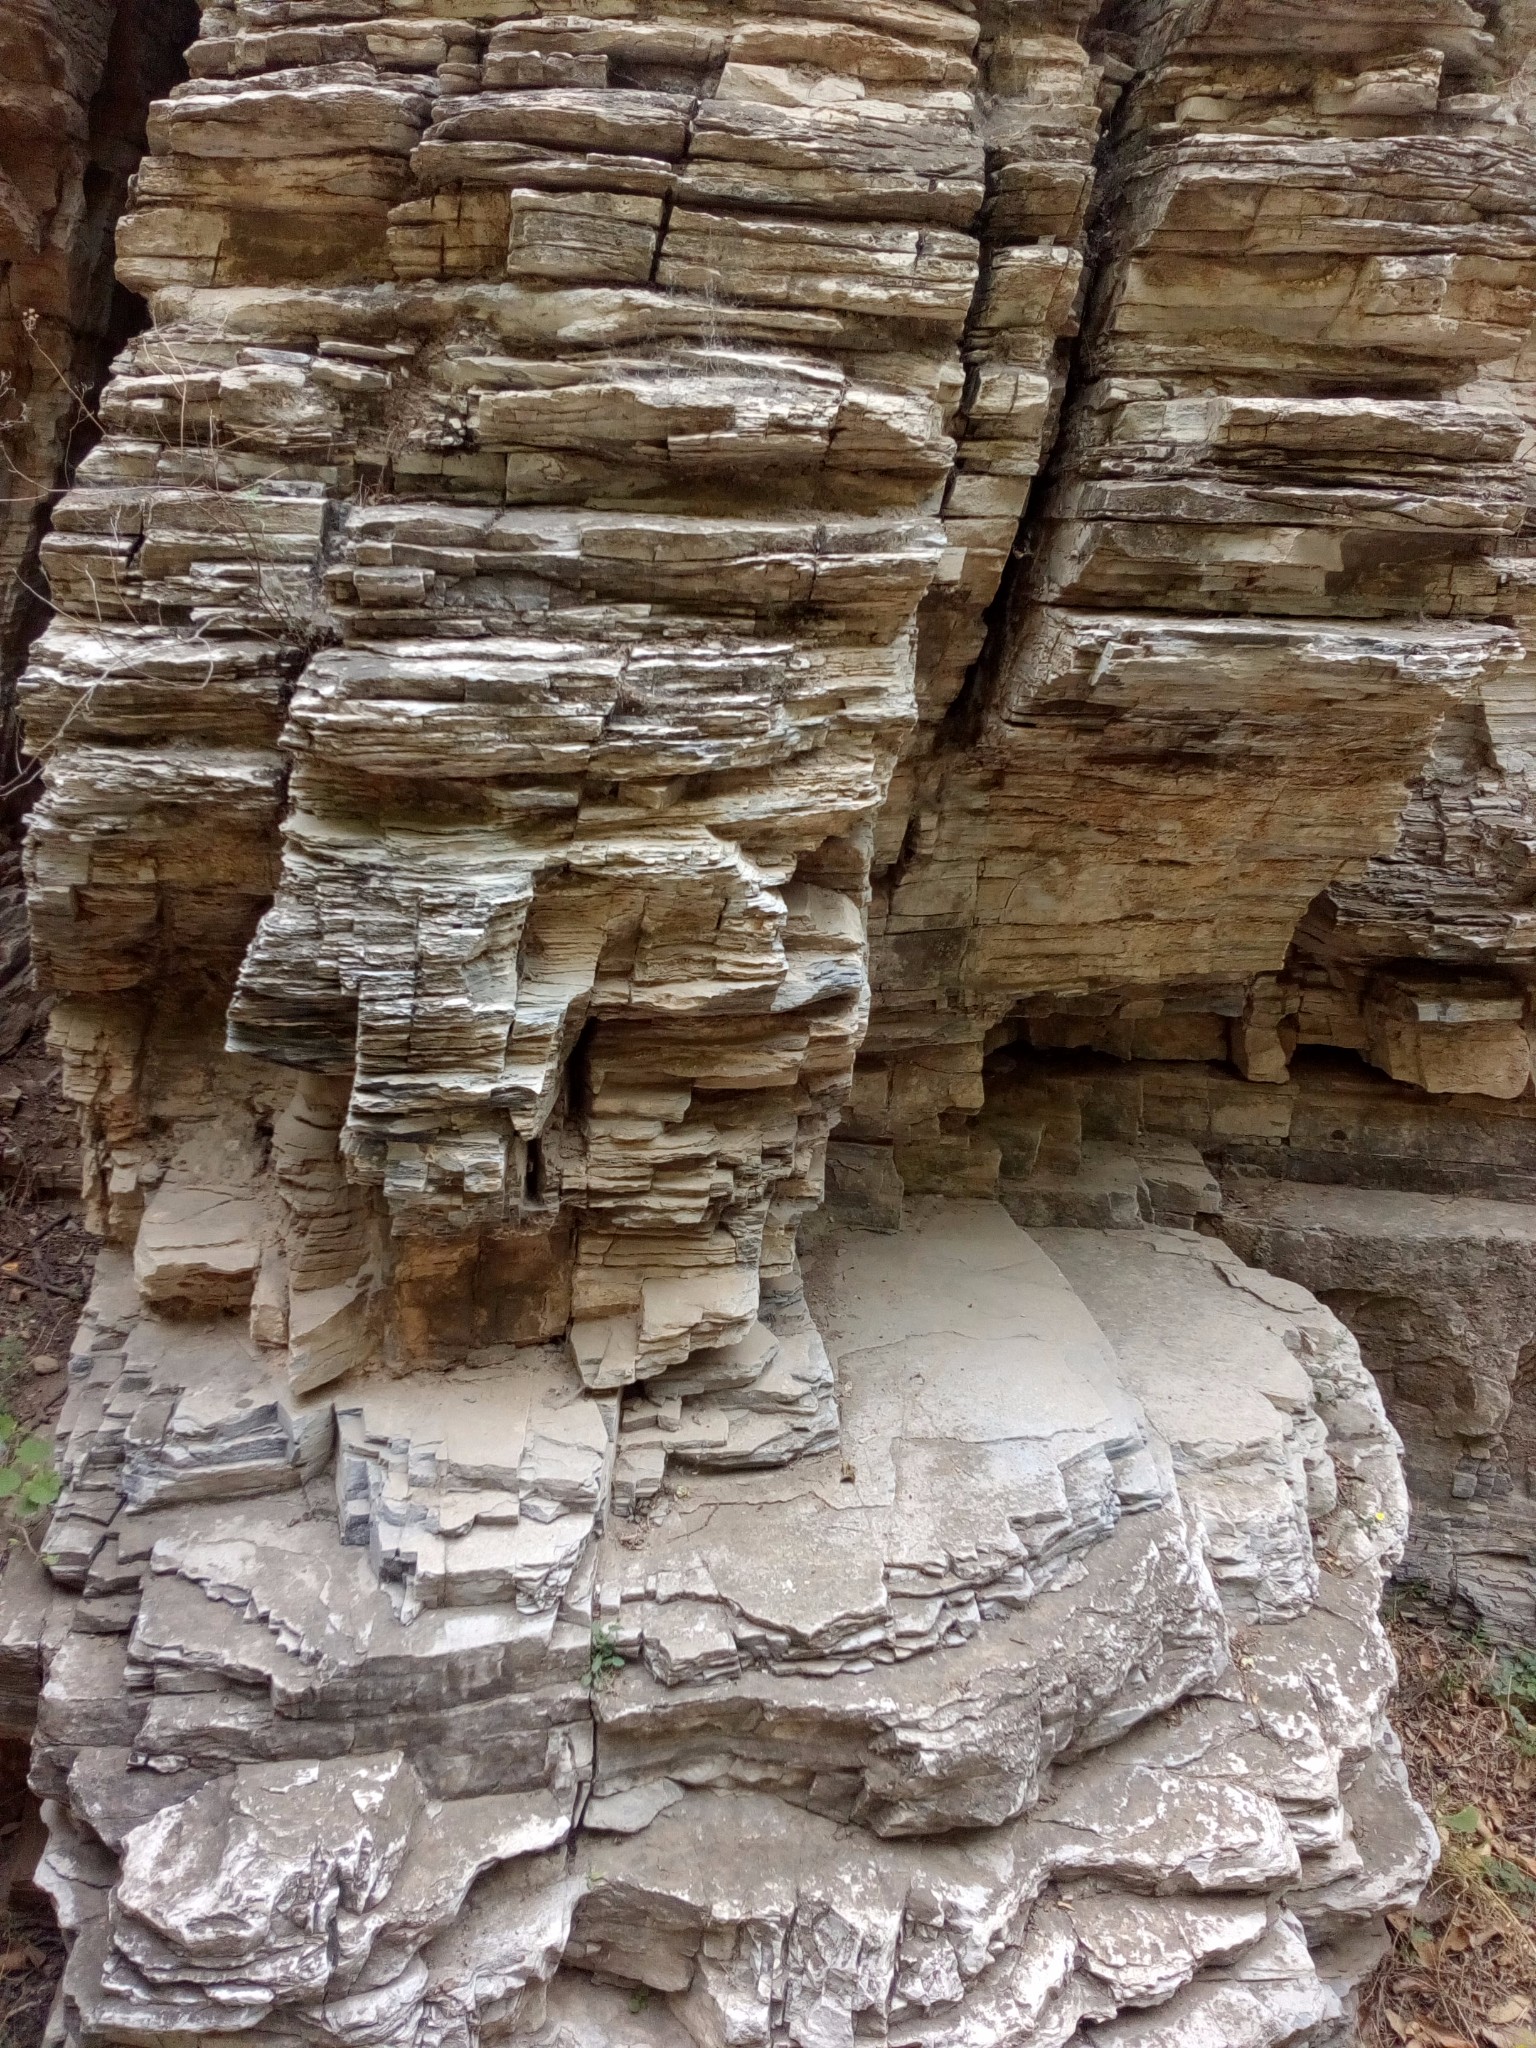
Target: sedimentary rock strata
<point>1244,783</point>
<point>783,870</point>
<point>387,1714</point>
<point>76,81</point>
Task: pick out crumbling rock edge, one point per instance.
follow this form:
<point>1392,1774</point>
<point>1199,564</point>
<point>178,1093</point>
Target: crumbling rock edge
<point>714,1076</point>
<point>1055,1696</point>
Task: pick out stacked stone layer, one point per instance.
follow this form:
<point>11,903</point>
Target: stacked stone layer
<point>77,82</point>
<point>667,584</point>
<point>370,1718</point>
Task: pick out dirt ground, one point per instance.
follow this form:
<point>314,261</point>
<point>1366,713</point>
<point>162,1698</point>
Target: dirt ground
<point>44,1272</point>
<point>44,1253</point>
<point>1462,1973</point>
<point>1463,1969</point>
<point>31,1957</point>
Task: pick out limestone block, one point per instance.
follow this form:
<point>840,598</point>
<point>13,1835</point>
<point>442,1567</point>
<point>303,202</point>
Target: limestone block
<point>1271,505</point>
<point>985,1419</point>
<point>1179,1184</point>
<point>1381,293</point>
<point>1053,883</point>
<point>1434,1286</point>
<point>481,1486</point>
<point>895,273</point>
<point>1265,1425</point>
<point>1469,1039</point>
<point>863,1185</point>
<point>1104,1189</point>
<point>198,1248</point>
<point>375,1870</point>
<point>604,238</point>
<point>214,1421</point>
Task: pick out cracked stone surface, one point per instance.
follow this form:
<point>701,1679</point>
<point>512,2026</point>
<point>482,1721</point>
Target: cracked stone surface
<point>784,868</point>
<point>1050,1695</point>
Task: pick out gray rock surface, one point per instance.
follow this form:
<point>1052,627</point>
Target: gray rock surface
<point>1051,1697</point>
<point>785,869</point>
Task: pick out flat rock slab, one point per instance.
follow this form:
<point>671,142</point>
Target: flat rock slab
<point>1260,1395</point>
<point>987,1438</point>
<point>1394,1217</point>
<point>264,1594</point>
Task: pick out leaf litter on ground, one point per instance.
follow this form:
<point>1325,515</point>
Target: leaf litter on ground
<point>1462,1968</point>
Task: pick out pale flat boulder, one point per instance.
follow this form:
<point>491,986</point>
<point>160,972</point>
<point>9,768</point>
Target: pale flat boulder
<point>198,1248</point>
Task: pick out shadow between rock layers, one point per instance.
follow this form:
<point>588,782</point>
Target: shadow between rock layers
<point>500,782</point>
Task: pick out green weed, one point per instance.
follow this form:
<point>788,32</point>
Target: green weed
<point>28,1481</point>
<point>606,1658</point>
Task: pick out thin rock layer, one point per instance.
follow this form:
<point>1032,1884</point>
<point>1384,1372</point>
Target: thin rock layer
<point>667,583</point>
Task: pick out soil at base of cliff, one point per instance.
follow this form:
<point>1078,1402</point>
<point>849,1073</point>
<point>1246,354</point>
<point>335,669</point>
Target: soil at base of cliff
<point>1462,1973</point>
<point>45,1261</point>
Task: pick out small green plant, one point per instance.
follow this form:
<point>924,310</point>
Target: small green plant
<point>1509,1878</point>
<point>639,2000</point>
<point>28,1481</point>
<point>1513,1686</point>
<point>606,1658</point>
<point>1403,1596</point>
<point>1451,1683</point>
<point>1514,1679</point>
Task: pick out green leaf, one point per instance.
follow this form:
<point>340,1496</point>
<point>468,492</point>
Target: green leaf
<point>7,1428</point>
<point>34,1451</point>
<point>10,1483</point>
<point>1515,1678</point>
<point>1521,1731</point>
<point>1509,1878</point>
<point>1466,1822</point>
<point>41,1490</point>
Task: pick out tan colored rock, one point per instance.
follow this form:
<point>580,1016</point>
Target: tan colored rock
<point>694,638</point>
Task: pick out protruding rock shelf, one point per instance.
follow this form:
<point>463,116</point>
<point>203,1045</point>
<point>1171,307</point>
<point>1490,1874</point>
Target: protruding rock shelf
<point>788,758</point>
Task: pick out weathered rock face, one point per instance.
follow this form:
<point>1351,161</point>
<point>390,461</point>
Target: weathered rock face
<point>76,81</point>
<point>1247,779</point>
<point>667,583</point>
<point>883,1680</point>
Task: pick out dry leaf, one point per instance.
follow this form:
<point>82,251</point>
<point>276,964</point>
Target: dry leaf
<point>1396,2022</point>
<point>1512,2009</point>
<point>1517,2036</point>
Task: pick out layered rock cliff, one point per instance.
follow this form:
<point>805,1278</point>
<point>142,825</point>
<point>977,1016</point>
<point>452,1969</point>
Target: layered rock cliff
<point>785,766</point>
<point>76,81</point>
